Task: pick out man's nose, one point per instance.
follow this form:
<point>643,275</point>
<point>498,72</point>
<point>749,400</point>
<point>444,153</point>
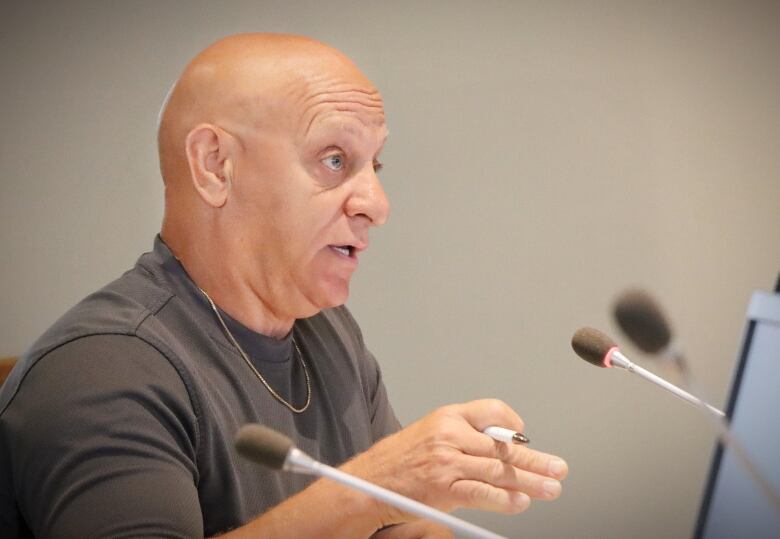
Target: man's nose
<point>368,197</point>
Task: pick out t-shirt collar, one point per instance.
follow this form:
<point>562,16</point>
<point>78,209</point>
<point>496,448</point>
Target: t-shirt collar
<point>257,346</point>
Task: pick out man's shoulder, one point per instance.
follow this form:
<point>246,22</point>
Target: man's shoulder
<point>119,308</point>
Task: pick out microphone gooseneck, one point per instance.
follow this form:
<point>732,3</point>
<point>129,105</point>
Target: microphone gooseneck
<point>273,449</point>
<point>591,343</point>
<point>599,349</point>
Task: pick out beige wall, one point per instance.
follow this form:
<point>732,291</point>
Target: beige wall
<point>543,156</point>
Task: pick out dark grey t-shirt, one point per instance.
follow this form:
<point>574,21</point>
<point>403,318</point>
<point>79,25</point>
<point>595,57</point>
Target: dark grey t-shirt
<point>119,421</point>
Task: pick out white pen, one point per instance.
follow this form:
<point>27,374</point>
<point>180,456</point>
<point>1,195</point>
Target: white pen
<point>506,435</point>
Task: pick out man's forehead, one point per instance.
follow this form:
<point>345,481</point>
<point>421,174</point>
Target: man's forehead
<point>365,126</point>
<point>349,105</point>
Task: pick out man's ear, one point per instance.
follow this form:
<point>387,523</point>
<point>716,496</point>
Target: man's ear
<point>211,166</point>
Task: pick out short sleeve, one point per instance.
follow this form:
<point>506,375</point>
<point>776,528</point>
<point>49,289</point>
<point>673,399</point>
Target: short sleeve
<point>103,443</point>
<point>383,419</point>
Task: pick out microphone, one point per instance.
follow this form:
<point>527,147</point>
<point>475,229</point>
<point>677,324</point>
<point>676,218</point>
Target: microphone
<point>598,349</point>
<point>275,450</point>
<point>641,318</point>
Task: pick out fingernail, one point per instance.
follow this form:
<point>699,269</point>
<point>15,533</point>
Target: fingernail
<point>557,467</point>
<point>552,488</point>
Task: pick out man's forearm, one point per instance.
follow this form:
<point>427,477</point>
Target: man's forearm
<point>442,460</point>
<point>323,509</point>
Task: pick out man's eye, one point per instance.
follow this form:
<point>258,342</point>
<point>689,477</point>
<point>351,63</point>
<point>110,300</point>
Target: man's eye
<point>334,162</point>
<point>378,166</point>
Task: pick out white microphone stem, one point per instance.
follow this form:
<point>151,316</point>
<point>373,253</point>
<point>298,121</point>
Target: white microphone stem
<point>298,461</point>
<point>619,360</point>
<point>721,425</point>
<point>718,420</point>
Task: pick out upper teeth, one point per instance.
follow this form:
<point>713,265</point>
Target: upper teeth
<point>343,250</point>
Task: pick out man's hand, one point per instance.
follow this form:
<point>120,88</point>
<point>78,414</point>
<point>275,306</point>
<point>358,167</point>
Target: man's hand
<point>445,461</point>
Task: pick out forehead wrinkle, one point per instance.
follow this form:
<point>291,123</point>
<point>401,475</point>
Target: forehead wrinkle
<point>371,95</point>
<point>342,86</point>
<point>345,98</point>
<point>353,112</point>
<point>352,129</point>
<point>318,84</point>
<point>356,108</point>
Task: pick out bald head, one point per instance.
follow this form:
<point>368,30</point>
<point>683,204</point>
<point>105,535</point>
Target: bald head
<point>243,82</point>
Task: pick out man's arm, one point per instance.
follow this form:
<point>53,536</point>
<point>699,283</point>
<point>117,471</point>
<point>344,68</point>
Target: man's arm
<point>442,460</point>
<point>418,529</point>
<point>95,456</point>
<point>101,436</point>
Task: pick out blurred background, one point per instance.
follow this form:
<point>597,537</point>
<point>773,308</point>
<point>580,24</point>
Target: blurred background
<point>543,157</point>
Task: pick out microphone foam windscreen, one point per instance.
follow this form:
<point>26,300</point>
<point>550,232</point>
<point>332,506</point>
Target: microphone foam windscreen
<point>643,321</point>
<point>592,345</point>
<point>263,445</point>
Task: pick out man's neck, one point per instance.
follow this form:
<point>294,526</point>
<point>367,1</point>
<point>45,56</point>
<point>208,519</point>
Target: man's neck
<point>226,289</point>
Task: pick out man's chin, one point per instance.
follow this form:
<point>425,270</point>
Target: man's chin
<point>328,296</point>
<point>336,300</point>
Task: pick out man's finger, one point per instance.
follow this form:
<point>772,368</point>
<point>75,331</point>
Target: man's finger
<point>479,495</point>
<point>486,412</point>
<point>520,456</point>
<point>537,462</point>
<point>473,442</point>
<point>508,477</point>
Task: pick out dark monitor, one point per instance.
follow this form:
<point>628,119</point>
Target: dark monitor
<point>732,505</point>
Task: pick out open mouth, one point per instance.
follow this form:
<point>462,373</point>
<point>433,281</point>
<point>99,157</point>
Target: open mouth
<point>346,250</point>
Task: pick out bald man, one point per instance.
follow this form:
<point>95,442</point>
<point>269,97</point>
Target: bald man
<point>119,421</point>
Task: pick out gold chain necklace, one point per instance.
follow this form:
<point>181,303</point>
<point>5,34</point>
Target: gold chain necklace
<point>257,373</point>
